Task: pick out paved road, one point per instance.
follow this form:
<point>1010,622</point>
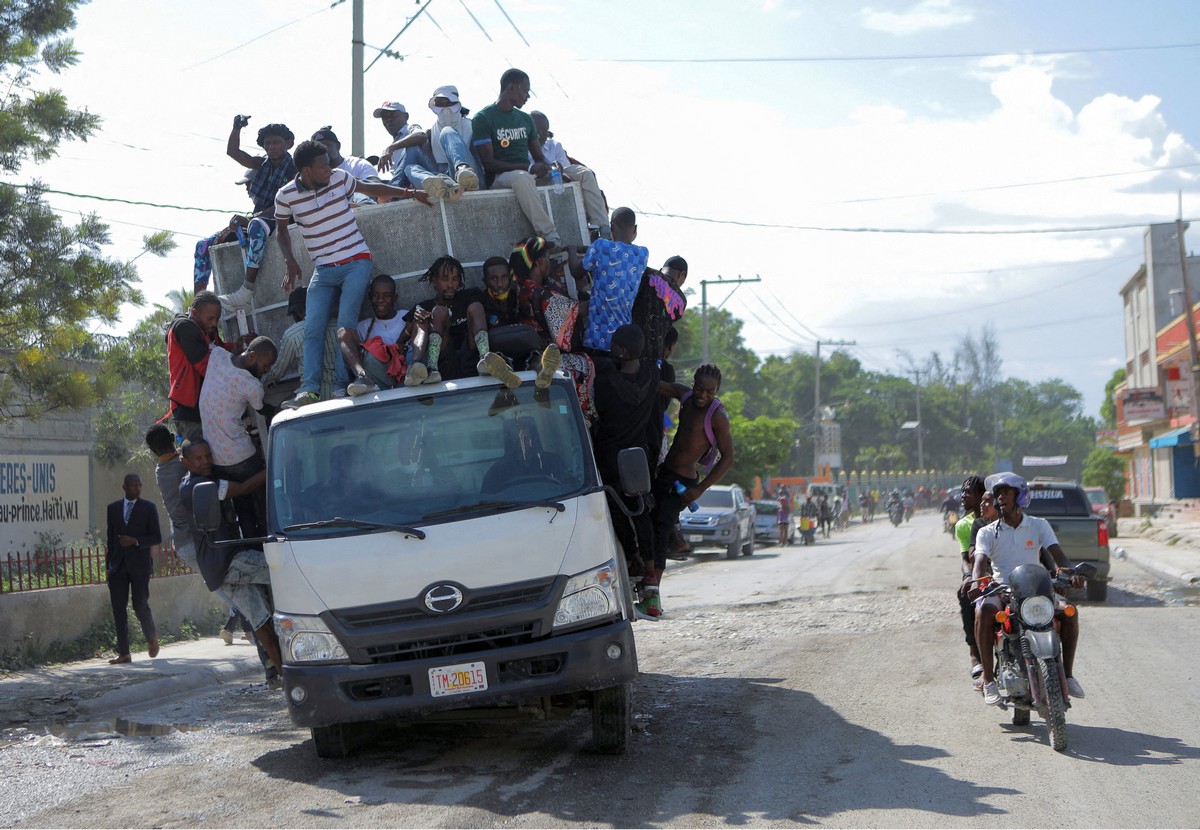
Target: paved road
<point>824,685</point>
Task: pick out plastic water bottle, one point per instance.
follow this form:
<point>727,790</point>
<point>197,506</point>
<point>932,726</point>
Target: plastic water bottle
<point>680,489</point>
<point>556,177</point>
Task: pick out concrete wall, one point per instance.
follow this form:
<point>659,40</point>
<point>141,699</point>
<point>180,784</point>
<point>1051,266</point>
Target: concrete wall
<point>66,614</point>
<point>405,238</point>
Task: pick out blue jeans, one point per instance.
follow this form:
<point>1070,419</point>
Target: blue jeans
<point>418,166</point>
<point>351,280</point>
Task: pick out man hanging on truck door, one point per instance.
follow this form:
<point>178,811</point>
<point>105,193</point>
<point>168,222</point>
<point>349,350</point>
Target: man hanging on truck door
<point>318,200</point>
<point>702,440</point>
<point>239,572</point>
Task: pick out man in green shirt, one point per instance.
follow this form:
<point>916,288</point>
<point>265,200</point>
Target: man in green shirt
<point>505,139</point>
<point>972,492</point>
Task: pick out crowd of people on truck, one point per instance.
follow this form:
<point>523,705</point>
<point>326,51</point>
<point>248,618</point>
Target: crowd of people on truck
<point>599,313</point>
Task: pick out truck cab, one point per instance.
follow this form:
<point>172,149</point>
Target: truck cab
<point>446,551</point>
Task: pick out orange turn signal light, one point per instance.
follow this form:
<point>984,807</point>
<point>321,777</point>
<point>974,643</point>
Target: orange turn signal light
<point>1069,611</point>
<point>1001,616</point>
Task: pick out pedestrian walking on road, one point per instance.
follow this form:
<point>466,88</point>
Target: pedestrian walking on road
<point>132,531</point>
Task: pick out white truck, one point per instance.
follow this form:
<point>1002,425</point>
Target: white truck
<point>442,551</point>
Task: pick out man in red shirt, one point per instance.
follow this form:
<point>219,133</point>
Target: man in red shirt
<point>190,337</point>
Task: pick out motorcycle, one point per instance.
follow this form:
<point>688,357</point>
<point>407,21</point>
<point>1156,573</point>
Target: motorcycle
<point>1028,653</point>
<point>949,520</point>
<point>895,512</point>
<point>909,504</point>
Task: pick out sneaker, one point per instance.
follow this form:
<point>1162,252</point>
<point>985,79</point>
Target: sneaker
<point>466,178</point>
<point>453,188</point>
<point>496,366</point>
<point>238,299</point>
<point>361,385</point>
<point>654,605</point>
<point>227,637</point>
<point>991,695</point>
<point>977,670</point>
<point>551,360</point>
<point>434,377</point>
<point>641,611</point>
<point>1074,689</point>
<point>274,682</point>
<point>416,375</point>
<point>300,399</point>
<point>436,187</point>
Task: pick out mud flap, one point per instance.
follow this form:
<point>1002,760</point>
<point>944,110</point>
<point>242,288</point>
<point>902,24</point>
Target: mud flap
<point>1043,644</point>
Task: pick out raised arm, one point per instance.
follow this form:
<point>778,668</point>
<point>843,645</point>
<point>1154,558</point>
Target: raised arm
<point>233,147</point>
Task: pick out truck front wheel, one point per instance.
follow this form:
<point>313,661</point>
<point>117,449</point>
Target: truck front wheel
<point>332,741</point>
<point>612,719</point>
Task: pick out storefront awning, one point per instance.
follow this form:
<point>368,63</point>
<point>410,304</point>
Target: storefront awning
<point>1174,438</point>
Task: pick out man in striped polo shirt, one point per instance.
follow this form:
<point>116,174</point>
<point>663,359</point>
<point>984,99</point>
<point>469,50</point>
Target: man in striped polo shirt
<point>318,200</point>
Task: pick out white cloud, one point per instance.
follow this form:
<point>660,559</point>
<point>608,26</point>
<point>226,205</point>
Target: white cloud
<point>925,15</point>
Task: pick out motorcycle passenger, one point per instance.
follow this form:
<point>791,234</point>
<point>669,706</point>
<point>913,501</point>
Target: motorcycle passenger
<point>1016,539</point>
<point>972,495</point>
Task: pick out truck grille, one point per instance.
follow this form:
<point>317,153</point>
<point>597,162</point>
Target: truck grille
<point>455,644</point>
<point>483,599</point>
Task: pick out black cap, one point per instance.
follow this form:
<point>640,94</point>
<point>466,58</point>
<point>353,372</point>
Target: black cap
<point>297,301</point>
<point>676,262</point>
<point>325,134</point>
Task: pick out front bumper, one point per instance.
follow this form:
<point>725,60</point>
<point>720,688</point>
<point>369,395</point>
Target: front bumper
<point>710,534</point>
<point>563,664</point>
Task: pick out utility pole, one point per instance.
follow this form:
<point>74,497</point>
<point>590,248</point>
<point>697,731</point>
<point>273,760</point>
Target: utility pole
<point>1190,315</point>
<point>920,443</point>
<point>817,403</point>
<point>704,284</point>
<point>357,113</point>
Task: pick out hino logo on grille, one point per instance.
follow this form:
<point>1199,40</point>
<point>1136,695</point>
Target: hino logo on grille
<point>444,598</point>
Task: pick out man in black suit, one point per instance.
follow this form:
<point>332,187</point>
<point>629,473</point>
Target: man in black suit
<point>132,531</point>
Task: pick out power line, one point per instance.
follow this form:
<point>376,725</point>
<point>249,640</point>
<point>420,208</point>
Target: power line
<point>260,37</point>
<point>912,231</point>
<point>124,201</point>
<point>403,29</point>
<point>510,23</point>
<point>867,58</point>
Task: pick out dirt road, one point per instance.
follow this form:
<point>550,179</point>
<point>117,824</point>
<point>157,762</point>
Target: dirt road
<point>824,685</point>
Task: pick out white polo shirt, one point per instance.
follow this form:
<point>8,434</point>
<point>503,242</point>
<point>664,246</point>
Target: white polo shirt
<point>1010,547</point>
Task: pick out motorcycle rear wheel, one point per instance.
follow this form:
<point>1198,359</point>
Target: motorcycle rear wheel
<point>1056,708</point>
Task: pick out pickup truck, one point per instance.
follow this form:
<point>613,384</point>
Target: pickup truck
<point>1082,534</point>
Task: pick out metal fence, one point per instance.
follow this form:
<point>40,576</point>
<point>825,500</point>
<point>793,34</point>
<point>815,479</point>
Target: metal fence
<point>65,567</point>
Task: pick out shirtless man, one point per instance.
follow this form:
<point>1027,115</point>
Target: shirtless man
<point>692,447</point>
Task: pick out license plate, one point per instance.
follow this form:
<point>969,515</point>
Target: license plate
<point>695,537</point>
<point>457,680</point>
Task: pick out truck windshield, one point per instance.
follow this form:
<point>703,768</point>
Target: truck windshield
<point>400,461</point>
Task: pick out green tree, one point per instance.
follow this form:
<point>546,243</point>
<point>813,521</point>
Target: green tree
<point>54,279</point>
<point>1108,407</point>
<point>1104,468</point>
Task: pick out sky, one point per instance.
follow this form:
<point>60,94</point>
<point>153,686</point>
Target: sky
<point>869,161</point>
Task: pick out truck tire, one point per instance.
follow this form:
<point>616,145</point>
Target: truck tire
<point>748,548</point>
<point>735,547</point>
<point>612,719</point>
<point>332,741</point>
<point>1097,590</point>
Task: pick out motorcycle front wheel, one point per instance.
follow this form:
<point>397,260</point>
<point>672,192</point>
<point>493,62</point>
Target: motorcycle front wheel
<point>1056,707</point>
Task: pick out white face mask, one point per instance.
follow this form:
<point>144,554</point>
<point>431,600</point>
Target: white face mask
<point>453,109</point>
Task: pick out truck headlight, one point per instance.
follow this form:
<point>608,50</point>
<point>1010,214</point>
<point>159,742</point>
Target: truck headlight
<point>588,595</point>
<point>304,639</point>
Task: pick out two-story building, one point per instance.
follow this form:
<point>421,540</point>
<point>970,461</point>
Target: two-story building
<point>1156,418</point>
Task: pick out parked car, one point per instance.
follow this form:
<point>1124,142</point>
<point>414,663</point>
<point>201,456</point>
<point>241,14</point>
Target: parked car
<point>1101,506</point>
<point>1082,534</point>
<point>725,518</point>
<point>765,528</point>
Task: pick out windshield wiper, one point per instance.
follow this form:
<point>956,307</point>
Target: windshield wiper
<point>495,505</point>
<point>340,521</point>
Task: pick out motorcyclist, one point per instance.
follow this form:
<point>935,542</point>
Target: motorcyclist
<point>1017,539</point>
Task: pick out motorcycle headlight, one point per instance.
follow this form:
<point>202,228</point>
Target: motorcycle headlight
<point>1037,611</point>
<point>304,639</point>
<point>588,595</point>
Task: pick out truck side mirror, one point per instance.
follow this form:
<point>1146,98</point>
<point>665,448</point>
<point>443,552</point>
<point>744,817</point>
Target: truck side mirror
<point>206,506</point>
<point>634,471</point>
